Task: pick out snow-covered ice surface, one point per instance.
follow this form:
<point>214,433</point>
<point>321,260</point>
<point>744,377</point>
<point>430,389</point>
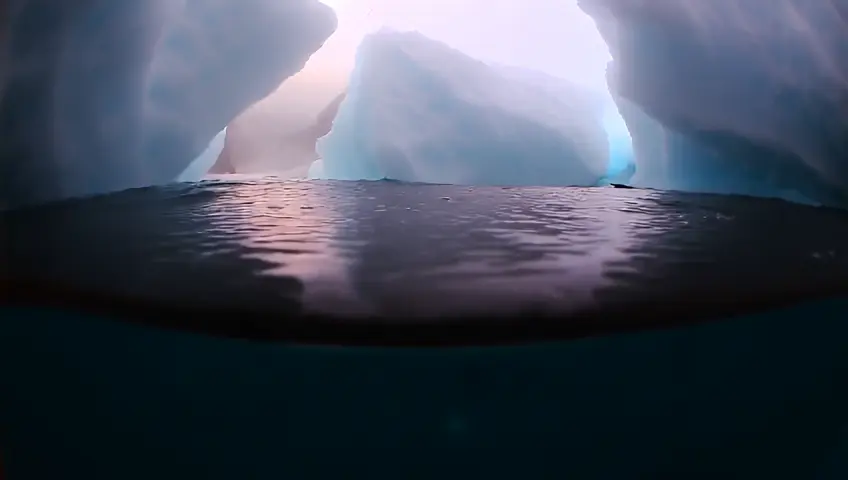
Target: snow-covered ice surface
<point>103,95</point>
<point>734,97</point>
<point>418,110</point>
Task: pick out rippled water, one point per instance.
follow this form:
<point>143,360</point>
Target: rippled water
<point>364,250</point>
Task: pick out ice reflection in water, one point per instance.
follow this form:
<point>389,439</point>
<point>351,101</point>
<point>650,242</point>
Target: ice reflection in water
<point>310,252</point>
<point>354,248</point>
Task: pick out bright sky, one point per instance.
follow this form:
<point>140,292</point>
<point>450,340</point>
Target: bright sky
<point>553,36</point>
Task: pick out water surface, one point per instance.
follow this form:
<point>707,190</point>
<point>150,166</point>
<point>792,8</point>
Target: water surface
<point>277,255</point>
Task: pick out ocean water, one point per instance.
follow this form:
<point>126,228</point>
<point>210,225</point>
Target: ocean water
<point>551,297</point>
<point>373,250</point>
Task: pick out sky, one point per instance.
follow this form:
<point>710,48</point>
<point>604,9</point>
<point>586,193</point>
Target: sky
<point>553,36</point>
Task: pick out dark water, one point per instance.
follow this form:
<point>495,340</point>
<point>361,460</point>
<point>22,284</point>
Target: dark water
<point>745,396</point>
<point>427,254</point>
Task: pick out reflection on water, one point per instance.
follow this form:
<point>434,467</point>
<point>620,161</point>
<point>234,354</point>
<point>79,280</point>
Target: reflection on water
<point>485,250</point>
<point>297,235</point>
<point>429,251</point>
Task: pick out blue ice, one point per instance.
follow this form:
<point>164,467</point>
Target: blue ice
<point>733,97</point>
<point>201,165</point>
<point>419,110</point>
<point>621,160</point>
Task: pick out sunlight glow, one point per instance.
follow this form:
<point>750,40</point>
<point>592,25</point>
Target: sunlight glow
<point>552,36</point>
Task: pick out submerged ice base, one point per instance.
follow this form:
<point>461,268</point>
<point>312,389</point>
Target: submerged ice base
<point>418,110</point>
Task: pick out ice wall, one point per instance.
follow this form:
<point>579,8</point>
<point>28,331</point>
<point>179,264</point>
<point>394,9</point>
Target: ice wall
<point>418,110</point>
<point>204,162</point>
<point>101,95</point>
<point>621,160</point>
<point>734,97</point>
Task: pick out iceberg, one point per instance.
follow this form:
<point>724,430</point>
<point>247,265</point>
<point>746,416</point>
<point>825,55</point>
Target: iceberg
<point>621,161</point>
<point>733,97</point>
<point>418,110</point>
<point>254,146</point>
<point>203,163</point>
<point>101,95</point>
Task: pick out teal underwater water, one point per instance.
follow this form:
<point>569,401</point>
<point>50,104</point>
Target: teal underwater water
<point>760,396</point>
